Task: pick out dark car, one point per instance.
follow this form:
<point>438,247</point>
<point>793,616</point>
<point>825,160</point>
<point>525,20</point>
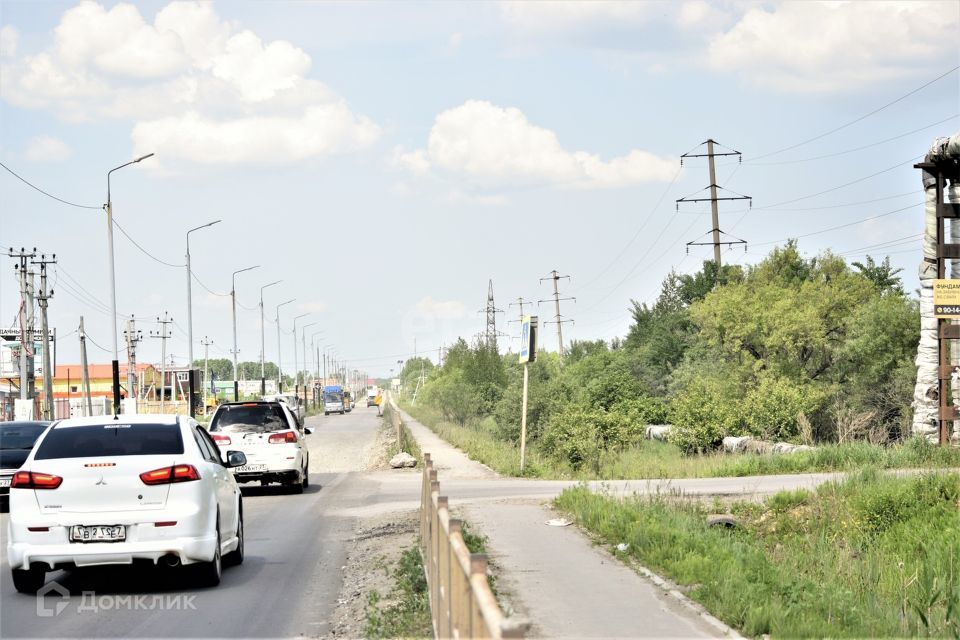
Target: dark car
<point>16,442</point>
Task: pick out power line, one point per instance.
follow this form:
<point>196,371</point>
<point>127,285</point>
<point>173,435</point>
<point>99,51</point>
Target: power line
<point>847,184</point>
<point>49,195</point>
<point>854,150</point>
<point>636,235</point>
<point>840,226</point>
<point>853,122</point>
<point>147,253</point>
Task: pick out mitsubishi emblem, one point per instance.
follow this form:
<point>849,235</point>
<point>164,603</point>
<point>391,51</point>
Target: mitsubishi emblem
<point>100,481</point>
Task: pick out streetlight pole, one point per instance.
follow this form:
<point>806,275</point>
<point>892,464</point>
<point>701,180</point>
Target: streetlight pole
<point>190,312</point>
<point>296,360</point>
<point>233,300</point>
<point>317,360</point>
<point>113,288</point>
<point>279,348</point>
<point>303,344</point>
<point>263,379</point>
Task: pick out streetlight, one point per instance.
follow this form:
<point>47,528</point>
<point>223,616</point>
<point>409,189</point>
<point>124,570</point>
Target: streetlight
<point>190,313</point>
<point>303,343</point>
<point>263,379</point>
<point>317,361</point>
<point>296,360</point>
<point>113,288</point>
<point>233,300</point>
<point>279,348</point>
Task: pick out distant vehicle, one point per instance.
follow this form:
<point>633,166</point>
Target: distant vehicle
<point>372,397</point>
<point>102,490</point>
<point>347,401</point>
<point>270,438</point>
<point>333,399</point>
<point>16,442</point>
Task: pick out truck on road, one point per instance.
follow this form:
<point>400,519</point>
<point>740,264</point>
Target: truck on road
<point>333,399</point>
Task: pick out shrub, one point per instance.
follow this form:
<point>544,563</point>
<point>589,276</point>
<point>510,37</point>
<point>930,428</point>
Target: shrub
<point>581,435</point>
<point>773,407</point>
<point>703,413</point>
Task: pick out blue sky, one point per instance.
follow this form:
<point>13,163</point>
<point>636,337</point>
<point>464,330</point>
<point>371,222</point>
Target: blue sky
<point>385,160</point>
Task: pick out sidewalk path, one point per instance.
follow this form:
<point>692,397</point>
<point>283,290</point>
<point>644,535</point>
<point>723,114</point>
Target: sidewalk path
<point>562,584</point>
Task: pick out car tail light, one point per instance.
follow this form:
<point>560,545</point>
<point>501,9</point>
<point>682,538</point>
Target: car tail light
<point>34,480</point>
<point>168,475</point>
<point>220,439</point>
<point>283,438</point>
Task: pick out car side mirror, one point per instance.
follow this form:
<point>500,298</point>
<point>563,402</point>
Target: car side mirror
<point>308,430</point>
<point>235,459</point>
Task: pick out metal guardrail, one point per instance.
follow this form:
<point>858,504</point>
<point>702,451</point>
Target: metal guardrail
<point>461,601</point>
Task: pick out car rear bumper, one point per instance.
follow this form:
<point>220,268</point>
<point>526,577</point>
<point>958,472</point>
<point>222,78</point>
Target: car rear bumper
<point>77,554</point>
<point>268,476</point>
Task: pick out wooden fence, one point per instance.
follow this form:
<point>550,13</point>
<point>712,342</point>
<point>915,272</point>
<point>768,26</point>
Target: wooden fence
<point>461,601</point>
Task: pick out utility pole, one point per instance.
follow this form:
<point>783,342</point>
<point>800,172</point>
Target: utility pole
<point>88,401</point>
<point>714,200</point>
<point>280,348</point>
<point>44,297</point>
<point>163,334</point>
<point>133,338</point>
<point>555,276</point>
<point>206,342</point>
<point>26,323</point>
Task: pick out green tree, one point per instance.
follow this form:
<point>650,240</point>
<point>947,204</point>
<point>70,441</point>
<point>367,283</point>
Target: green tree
<point>882,275</point>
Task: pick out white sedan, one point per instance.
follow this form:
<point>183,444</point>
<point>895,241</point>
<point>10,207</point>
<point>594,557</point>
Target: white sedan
<point>270,437</point>
<point>114,490</point>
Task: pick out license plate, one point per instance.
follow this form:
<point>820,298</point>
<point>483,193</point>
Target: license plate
<point>247,468</point>
<point>4,482</point>
<point>98,533</point>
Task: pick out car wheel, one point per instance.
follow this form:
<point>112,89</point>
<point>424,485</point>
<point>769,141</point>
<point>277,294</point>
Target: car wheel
<point>29,580</point>
<point>306,477</point>
<point>296,486</point>
<point>209,573</point>
<point>235,557</point>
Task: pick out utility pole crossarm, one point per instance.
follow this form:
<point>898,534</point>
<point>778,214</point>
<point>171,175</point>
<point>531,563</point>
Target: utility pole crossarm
<point>714,199</point>
<point>556,277</point>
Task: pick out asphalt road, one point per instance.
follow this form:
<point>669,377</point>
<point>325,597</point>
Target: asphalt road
<point>287,585</point>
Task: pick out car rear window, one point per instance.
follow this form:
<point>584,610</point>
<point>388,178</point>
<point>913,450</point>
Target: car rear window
<point>20,436</point>
<point>250,418</point>
<point>113,439</point>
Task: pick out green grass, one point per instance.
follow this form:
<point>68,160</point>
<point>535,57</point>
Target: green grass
<point>408,614</point>
<point>873,556</point>
<point>656,459</point>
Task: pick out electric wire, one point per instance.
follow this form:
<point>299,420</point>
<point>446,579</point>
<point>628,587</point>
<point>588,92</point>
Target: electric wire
<point>145,252</point>
<point>49,195</point>
<point>840,226</point>
<point>856,120</point>
<point>854,150</point>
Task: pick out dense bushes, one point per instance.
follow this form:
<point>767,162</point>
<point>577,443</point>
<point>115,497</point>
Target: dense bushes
<point>788,343</point>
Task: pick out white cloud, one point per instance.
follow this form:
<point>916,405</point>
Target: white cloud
<point>321,130</point>
<point>454,41</point>
<point>196,87</point>
<point>496,146</point>
<point>837,46</point>
<point>564,15</point>
<point>9,37</point>
<point>47,149</point>
<point>440,310</point>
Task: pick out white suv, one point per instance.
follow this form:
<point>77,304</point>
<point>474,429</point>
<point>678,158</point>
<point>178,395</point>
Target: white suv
<point>114,490</point>
<point>267,433</point>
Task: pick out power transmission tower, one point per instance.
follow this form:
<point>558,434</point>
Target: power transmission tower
<point>163,334</point>
<point>44,300</point>
<point>26,322</point>
<point>714,200</point>
<point>133,338</point>
<point>491,334</point>
<point>88,401</point>
<point>555,276</point>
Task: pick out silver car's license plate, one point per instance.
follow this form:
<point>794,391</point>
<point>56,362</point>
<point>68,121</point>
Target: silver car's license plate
<point>98,533</point>
<point>5,482</point>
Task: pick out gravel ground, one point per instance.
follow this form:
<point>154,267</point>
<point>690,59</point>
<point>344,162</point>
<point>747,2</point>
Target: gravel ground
<point>376,544</point>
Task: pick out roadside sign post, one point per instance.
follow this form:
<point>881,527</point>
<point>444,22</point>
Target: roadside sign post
<point>528,354</point>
